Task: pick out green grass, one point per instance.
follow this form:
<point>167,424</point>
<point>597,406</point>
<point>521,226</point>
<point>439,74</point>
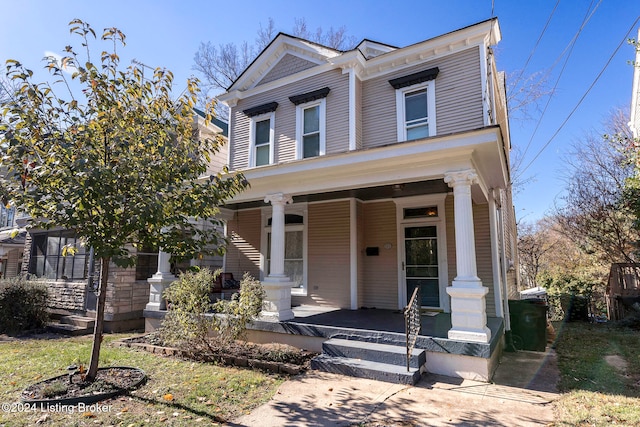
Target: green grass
<point>596,393</point>
<point>177,393</point>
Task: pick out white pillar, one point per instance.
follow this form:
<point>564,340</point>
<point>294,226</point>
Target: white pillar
<point>277,286</point>
<point>159,282</point>
<point>468,305</point>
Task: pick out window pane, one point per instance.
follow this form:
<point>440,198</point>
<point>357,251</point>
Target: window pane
<point>262,155</point>
<point>312,119</point>
<point>263,129</point>
<point>417,132</point>
<point>416,105</point>
<point>414,232</point>
<point>311,145</point>
<point>79,267</point>
<point>53,246</point>
<point>293,245</point>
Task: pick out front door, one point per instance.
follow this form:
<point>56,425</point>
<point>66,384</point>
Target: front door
<point>421,263</point>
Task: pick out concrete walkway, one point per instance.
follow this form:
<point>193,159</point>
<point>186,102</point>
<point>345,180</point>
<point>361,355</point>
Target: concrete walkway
<point>521,395</point>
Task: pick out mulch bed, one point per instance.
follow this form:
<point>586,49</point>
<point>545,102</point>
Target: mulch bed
<point>276,358</point>
<point>109,381</point>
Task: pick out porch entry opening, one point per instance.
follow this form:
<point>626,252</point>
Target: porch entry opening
<point>421,264</point>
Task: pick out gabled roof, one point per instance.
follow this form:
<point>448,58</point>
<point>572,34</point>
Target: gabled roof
<point>282,44</point>
<point>288,58</point>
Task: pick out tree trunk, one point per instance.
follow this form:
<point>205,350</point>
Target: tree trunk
<point>97,332</point>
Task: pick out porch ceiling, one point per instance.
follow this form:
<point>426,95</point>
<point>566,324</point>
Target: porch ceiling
<point>391,191</point>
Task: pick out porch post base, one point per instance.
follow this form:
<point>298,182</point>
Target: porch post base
<point>276,306</point>
<point>468,312</point>
<point>157,284</point>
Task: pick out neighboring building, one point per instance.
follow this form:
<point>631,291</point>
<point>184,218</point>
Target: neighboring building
<point>11,244</point>
<point>71,290</point>
<point>372,172</point>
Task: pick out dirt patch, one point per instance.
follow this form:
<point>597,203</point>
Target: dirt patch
<point>276,358</point>
<point>617,362</point>
<point>111,380</point>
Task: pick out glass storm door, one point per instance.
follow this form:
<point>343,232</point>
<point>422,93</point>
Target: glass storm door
<point>421,264</point>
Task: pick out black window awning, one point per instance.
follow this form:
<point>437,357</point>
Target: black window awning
<point>415,78</point>
<point>261,109</point>
<point>310,96</point>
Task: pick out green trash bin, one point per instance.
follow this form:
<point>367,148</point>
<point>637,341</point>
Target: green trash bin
<point>528,324</point>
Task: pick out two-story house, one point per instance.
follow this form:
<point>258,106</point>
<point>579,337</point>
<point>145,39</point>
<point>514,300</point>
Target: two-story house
<point>373,172</point>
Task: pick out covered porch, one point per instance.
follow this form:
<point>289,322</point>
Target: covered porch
<point>376,332</point>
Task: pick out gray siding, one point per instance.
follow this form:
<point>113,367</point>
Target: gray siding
<point>380,272</point>
<point>482,233</point>
<point>243,252</point>
<point>358,114</point>
<point>289,64</point>
<point>458,98</point>
<point>328,255</point>
<point>337,126</point>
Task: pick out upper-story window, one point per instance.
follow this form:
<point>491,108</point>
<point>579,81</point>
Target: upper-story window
<point>311,123</point>
<point>262,134</point>
<point>416,105</point>
<point>311,129</point>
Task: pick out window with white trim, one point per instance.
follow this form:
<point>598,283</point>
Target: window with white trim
<point>262,137</point>
<point>415,106</point>
<point>295,250</point>
<point>311,126</point>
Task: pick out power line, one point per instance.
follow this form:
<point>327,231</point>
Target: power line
<point>537,43</point>
<point>589,13</point>
<point>583,96</point>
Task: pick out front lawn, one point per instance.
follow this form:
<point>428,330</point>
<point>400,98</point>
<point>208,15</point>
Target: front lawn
<point>177,393</point>
<point>599,375</point>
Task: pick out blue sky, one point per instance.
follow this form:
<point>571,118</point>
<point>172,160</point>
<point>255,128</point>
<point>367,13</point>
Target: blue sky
<point>167,34</point>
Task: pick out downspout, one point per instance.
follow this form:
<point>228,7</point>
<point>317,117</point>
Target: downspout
<point>505,301</point>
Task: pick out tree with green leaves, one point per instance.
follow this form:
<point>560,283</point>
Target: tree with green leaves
<point>121,164</point>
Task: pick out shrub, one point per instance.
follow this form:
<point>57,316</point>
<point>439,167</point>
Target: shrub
<point>192,315</point>
<point>244,307</point>
<point>188,301</point>
<point>23,305</point>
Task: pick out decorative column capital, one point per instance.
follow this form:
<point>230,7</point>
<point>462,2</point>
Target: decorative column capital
<point>278,199</point>
<point>463,177</point>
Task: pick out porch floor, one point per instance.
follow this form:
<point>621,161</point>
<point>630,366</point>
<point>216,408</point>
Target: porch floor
<point>381,326</point>
<point>432,325</point>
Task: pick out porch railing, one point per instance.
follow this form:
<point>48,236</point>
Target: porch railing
<point>412,322</point>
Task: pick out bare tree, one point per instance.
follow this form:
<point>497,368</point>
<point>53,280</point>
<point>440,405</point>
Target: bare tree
<point>534,242</point>
<point>7,89</point>
<point>220,65</point>
<point>594,214</point>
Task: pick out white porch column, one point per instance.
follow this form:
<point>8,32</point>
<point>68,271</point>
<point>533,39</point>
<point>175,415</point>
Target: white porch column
<point>277,286</point>
<point>159,282</point>
<point>468,306</point>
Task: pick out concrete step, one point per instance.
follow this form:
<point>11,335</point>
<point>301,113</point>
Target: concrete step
<point>83,322</point>
<point>67,329</point>
<point>374,352</point>
<point>366,369</point>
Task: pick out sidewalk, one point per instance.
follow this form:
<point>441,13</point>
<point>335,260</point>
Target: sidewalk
<point>521,395</point>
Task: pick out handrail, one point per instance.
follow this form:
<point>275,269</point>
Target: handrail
<point>412,322</point>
